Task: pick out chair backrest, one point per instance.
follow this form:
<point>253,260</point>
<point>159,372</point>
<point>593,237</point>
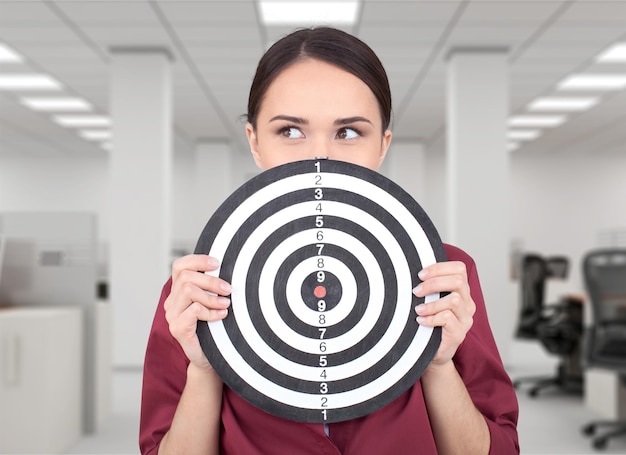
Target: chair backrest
<point>605,280</point>
<point>532,291</point>
<point>557,267</point>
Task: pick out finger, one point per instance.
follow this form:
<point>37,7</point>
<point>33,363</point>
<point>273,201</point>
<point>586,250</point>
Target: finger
<point>454,329</point>
<point>176,306</point>
<point>189,279</point>
<point>197,312</point>
<point>183,327</point>
<point>443,268</point>
<point>461,307</point>
<point>445,319</point>
<point>452,304</point>
<point>195,262</point>
<point>189,293</point>
<point>204,307</point>
<point>442,283</point>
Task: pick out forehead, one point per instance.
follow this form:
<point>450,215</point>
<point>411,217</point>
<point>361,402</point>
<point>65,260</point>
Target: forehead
<point>313,84</point>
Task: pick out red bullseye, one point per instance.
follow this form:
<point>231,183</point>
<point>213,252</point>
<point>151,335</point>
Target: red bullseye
<point>319,292</point>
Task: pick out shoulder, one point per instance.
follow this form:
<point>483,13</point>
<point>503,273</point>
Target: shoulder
<point>455,253</point>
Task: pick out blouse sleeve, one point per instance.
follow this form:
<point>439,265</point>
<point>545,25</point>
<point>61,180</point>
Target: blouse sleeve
<point>164,377</point>
<point>479,364</point>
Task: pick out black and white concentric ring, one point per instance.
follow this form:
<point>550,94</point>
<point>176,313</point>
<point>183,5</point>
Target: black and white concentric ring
<point>322,257</point>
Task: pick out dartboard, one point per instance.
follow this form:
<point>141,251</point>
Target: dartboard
<point>322,256</point>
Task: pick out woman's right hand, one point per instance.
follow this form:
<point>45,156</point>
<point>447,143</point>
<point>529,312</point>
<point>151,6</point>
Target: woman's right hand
<point>195,297</point>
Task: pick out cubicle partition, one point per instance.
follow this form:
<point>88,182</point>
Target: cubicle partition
<point>50,265</point>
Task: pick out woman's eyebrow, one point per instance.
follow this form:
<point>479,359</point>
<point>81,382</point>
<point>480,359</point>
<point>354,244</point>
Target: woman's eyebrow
<point>290,118</point>
<point>348,120</point>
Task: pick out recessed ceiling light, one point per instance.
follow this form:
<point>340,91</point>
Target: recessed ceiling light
<point>95,135</point>
<point>8,55</point>
<point>594,82</point>
<point>563,103</point>
<point>614,54</point>
<point>537,120</point>
<point>82,120</point>
<point>56,104</point>
<point>28,82</point>
<point>523,135</point>
<point>308,13</point>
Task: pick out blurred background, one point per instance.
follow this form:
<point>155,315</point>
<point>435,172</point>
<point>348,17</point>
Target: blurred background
<point>121,131</point>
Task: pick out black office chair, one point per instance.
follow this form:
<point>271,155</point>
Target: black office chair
<point>558,326</point>
<point>532,290</point>
<point>605,338</point>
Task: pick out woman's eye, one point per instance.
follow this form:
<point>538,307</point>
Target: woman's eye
<point>347,133</point>
<point>291,132</point>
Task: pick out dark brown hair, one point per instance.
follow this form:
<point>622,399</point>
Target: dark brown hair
<point>328,45</point>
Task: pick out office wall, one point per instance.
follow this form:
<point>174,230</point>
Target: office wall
<point>560,204</point>
<point>82,184</point>
<point>565,204</point>
<point>56,184</point>
<point>191,210</point>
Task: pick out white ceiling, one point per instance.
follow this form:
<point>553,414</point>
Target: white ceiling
<point>216,45</point>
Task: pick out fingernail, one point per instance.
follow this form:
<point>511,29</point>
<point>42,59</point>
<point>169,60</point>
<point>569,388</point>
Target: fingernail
<point>221,313</point>
<point>226,288</point>
<point>420,320</point>
<point>419,309</point>
<point>417,290</point>
<point>422,274</point>
<point>213,262</point>
<point>225,301</point>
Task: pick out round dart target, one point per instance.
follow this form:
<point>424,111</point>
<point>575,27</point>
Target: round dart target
<point>322,257</point>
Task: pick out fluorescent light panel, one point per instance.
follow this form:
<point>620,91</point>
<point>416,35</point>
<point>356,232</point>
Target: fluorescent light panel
<point>523,135</point>
<point>594,82</point>
<point>96,135</point>
<point>82,120</point>
<point>64,104</point>
<point>537,120</point>
<point>308,13</point>
<point>8,55</point>
<point>16,82</point>
<point>563,104</point>
<point>614,54</point>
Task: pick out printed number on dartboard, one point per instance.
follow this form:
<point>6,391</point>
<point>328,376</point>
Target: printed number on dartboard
<point>321,303</point>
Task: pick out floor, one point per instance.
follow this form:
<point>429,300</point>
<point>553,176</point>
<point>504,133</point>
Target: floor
<point>548,424</point>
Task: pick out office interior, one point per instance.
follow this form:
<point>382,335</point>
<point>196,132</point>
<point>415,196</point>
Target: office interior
<point>508,130</point>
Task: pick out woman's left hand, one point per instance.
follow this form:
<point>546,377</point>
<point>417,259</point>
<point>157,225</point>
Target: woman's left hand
<point>454,312</point>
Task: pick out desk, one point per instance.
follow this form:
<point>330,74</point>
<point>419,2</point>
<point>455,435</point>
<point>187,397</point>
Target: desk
<point>41,379</point>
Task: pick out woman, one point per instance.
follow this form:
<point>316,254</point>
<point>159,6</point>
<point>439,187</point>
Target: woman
<point>323,93</point>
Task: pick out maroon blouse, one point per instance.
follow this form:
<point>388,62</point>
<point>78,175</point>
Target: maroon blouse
<point>401,427</point>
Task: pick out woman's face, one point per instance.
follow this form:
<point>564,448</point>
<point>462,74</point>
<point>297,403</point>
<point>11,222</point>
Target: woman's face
<point>317,110</point>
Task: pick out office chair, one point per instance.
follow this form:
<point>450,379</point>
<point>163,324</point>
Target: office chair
<point>558,327</point>
<point>605,339</point>
<point>532,287</point>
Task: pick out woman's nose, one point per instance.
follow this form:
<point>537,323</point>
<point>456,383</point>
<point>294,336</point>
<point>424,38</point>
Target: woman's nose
<point>321,149</point>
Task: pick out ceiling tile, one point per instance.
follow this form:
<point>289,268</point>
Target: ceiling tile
<point>183,12</point>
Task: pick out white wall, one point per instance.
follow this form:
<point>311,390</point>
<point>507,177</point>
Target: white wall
<point>190,216</point>
<point>561,203</point>
<point>55,184</point>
